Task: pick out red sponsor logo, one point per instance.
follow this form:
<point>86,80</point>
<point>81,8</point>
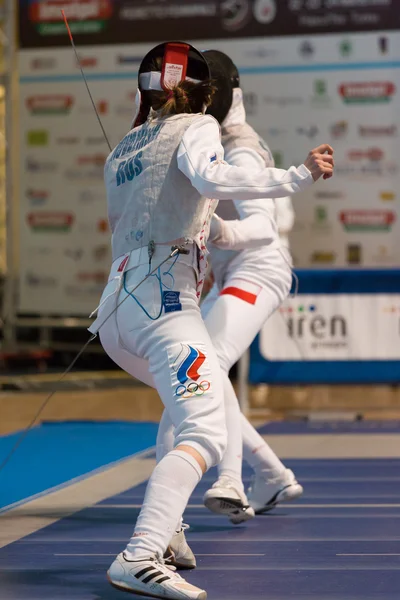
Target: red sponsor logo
<point>373,154</point>
<point>50,103</point>
<point>377,130</point>
<point>367,219</point>
<point>76,10</point>
<point>46,220</point>
<point>372,91</point>
<point>88,61</point>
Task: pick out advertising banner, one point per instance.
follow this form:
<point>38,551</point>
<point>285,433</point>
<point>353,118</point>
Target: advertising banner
<point>337,327</point>
<point>65,252</point>
<point>344,328</point>
<point>300,90</point>
<point>134,21</point>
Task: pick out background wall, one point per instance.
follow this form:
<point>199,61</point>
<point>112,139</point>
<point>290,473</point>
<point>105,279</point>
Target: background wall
<point>312,71</point>
<point>300,90</point>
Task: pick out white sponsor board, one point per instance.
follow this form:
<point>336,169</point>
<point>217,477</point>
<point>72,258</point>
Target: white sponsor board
<point>300,91</point>
<point>334,327</point>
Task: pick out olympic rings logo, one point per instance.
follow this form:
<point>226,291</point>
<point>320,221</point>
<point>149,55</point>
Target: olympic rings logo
<point>192,389</point>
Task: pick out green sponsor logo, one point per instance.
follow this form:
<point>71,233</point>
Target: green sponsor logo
<point>37,137</point>
<point>76,28</point>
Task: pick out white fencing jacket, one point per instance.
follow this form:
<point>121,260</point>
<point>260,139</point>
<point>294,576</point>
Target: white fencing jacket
<point>251,226</point>
<point>164,178</point>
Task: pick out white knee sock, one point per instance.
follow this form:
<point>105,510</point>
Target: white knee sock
<point>167,494</point>
<point>231,464</point>
<point>258,454</point>
<point>165,443</point>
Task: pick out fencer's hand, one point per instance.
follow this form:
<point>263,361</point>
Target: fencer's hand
<point>320,162</point>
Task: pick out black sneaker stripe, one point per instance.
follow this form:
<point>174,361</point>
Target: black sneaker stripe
<point>151,576</point>
<point>143,571</point>
<point>162,579</point>
<point>274,498</point>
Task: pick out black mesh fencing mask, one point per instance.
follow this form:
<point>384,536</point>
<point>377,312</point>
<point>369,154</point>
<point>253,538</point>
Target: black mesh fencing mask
<point>225,77</point>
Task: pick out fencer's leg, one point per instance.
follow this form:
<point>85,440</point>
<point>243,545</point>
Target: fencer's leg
<point>257,453</point>
<point>222,319</point>
<point>233,323</point>
<point>227,494</point>
<point>231,464</point>
<point>187,376</point>
<point>165,443</point>
<point>178,554</point>
<point>179,351</point>
<point>272,482</point>
<point>136,367</point>
<point>252,307</point>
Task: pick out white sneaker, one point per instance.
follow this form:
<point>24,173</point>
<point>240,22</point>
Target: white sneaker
<point>152,578</point>
<point>225,499</point>
<point>178,552</point>
<point>265,494</point>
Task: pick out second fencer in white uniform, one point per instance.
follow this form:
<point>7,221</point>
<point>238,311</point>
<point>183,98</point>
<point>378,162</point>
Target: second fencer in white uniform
<point>249,286</point>
<point>161,182</point>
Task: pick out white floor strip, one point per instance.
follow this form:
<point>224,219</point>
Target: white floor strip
<point>194,538</point>
<point>197,554</point>
<point>380,554</point>
<point>32,516</point>
<point>282,505</point>
<point>335,445</point>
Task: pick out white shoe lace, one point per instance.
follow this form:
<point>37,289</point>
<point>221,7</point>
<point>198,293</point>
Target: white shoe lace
<point>167,569</point>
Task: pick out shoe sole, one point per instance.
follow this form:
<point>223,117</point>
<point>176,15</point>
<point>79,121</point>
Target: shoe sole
<point>121,588</point>
<point>288,494</point>
<point>234,509</point>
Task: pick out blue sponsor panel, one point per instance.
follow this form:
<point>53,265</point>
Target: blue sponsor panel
<point>343,327</point>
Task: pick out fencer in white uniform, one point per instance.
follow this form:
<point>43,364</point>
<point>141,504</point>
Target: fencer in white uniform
<point>248,287</point>
<point>161,182</point>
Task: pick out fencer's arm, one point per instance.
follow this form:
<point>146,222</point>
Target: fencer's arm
<point>200,158</point>
<point>251,232</point>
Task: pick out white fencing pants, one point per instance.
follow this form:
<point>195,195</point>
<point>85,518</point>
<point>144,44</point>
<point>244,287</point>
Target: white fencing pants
<point>233,318</point>
<point>173,353</point>
<point>160,325</point>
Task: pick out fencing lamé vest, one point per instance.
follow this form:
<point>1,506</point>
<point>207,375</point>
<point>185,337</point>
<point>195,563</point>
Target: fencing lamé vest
<point>148,197</point>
